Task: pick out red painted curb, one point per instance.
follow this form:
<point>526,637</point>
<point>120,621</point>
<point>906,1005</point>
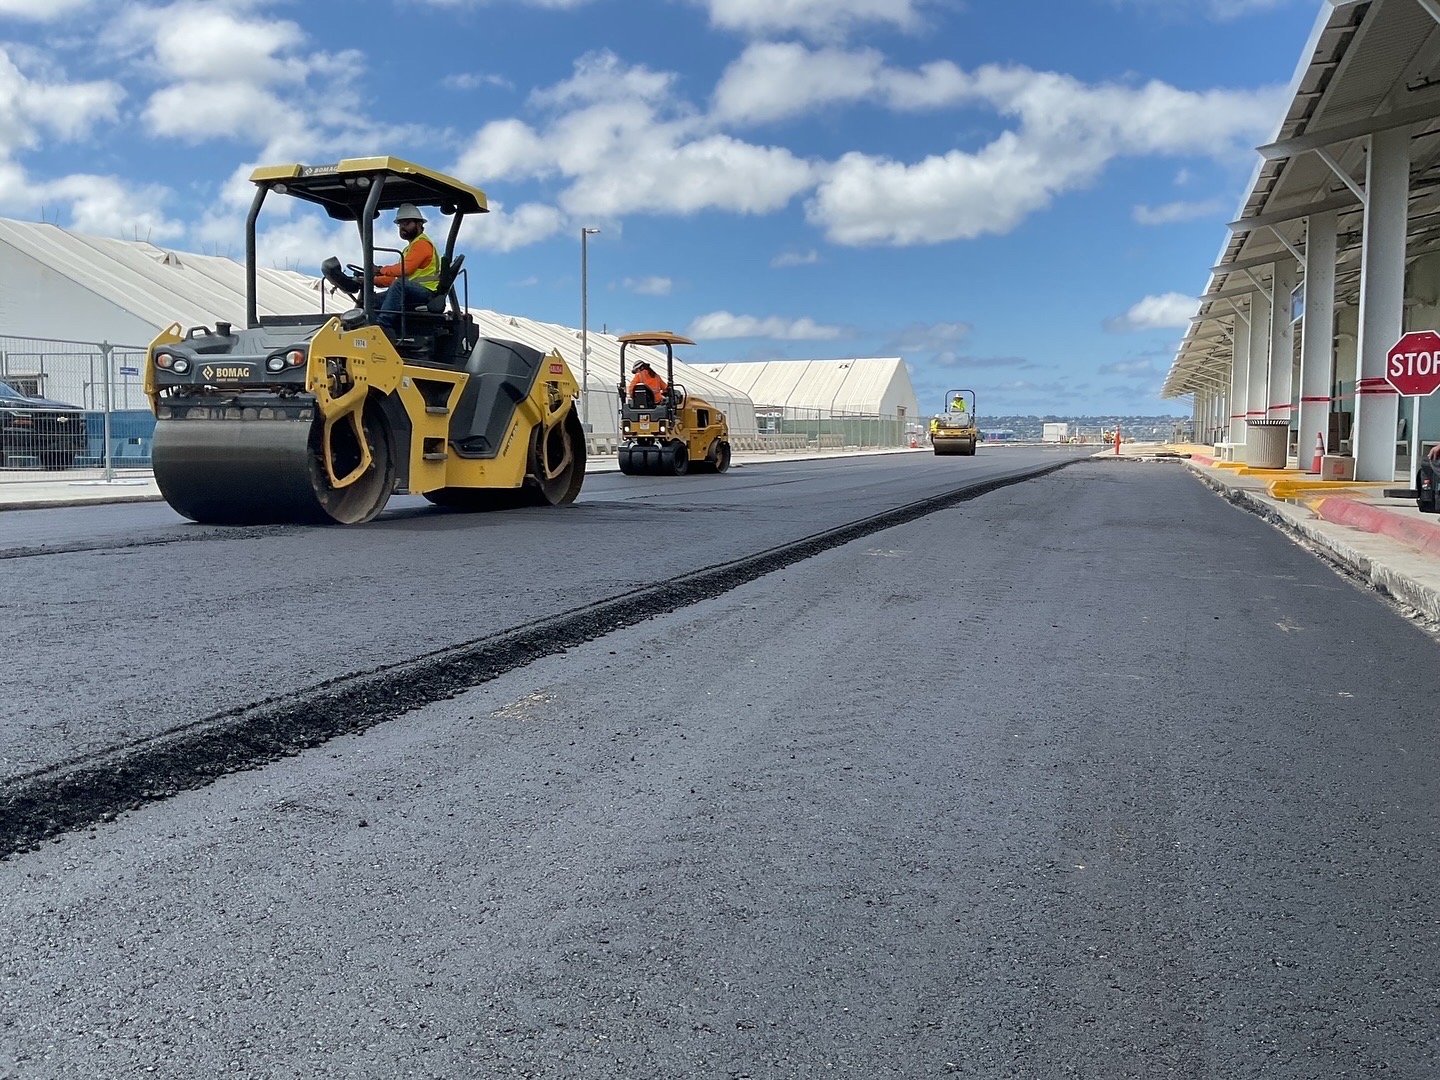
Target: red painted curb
<point>1417,534</point>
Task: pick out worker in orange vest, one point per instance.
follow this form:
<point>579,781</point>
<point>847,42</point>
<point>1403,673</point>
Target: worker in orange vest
<point>644,375</point>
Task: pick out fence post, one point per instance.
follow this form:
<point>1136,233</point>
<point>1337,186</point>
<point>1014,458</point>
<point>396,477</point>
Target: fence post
<point>105,363</point>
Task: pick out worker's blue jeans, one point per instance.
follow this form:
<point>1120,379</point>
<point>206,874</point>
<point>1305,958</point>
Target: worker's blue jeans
<point>404,292</point>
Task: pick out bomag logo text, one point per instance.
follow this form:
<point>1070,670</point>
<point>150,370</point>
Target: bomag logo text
<point>227,373</point>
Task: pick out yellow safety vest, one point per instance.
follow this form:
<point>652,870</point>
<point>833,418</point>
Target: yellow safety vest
<point>428,276</point>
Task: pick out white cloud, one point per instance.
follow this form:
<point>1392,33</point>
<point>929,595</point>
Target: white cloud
<point>722,325</point>
<point>231,74</point>
<point>69,111</point>
<point>1067,133</point>
<point>773,80</point>
<point>617,140</point>
<point>688,176</point>
<point>469,80</point>
<point>821,19</point>
<point>502,230</point>
<point>649,286</point>
<point>1166,312</point>
<point>105,206</point>
<point>212,45</point>
<point>185,111</point>
<point>625,146</point>
<point>600,77</point>
<point>1171,213</point>
<point>796,258</point>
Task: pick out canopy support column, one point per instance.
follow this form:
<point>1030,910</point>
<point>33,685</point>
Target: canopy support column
<point>1382,301</point>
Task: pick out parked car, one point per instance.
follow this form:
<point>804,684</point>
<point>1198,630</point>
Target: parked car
<point>38,431</point>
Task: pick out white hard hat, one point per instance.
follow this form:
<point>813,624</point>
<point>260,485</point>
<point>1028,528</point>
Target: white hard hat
<point>407,212</point>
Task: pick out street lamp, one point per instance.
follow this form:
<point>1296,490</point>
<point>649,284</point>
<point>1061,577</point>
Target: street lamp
<point>585,234</point>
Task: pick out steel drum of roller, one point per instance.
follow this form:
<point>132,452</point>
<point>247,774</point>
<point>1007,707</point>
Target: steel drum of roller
<point>262,472</point>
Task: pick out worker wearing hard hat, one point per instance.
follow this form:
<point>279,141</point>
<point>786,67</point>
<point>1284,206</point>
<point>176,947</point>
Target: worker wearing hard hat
<point>958,405</point>
<point>644,375</point>
<point>412,281</point>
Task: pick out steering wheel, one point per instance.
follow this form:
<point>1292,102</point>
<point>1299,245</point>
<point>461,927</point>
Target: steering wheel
<point>358,271</point>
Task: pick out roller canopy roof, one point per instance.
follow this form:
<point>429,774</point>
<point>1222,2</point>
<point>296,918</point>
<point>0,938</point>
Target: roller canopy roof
<point>342,187</point>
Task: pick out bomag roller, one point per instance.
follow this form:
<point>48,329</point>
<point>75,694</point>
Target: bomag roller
<point>954,431</point>
<point>675,434</point>
<point>320,418</point>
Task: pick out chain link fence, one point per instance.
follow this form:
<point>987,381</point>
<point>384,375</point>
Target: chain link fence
<point>72,409</point>
<point>791,428</point>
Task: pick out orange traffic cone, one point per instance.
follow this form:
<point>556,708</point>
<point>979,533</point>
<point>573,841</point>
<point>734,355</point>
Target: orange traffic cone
<point>914,442</point>
<point>1319,453</point>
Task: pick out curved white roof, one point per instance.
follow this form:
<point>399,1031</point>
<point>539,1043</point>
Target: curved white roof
<point>66,286</point>
<point>861,386</point>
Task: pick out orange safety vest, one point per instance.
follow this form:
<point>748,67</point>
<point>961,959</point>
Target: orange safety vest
<point>646,377</point>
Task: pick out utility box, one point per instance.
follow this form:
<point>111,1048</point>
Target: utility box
<point>1337,467</point>
<point>1054,432</point>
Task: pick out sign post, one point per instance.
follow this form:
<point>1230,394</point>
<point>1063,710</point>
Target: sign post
<point>1412,367</point>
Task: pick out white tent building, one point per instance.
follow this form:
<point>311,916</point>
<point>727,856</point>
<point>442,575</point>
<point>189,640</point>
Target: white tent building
<point>825,388</point>
<point>63,287</point>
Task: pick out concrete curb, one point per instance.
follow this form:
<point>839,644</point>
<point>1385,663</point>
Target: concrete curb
<point>55,504</point>
<point>1420,535</point>
<point>1344,546</point>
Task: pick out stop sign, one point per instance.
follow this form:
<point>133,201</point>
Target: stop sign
<point>1412,366</point>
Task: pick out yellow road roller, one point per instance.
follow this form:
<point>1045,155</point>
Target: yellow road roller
<point>667,430</point>
<point>956,431</point>
<point>320,418</point>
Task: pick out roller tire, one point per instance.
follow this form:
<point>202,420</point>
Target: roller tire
<point>678,459</point>
<point>559,490</point>
<point>721,461</point>
<point>566,438</point>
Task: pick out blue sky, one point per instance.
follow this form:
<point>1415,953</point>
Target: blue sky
<point>1018,196</point>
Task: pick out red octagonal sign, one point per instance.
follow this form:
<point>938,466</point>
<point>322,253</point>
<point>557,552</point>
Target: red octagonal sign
<point>1412,366</point>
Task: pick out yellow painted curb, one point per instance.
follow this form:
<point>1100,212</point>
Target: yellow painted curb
<point>1296,489</point>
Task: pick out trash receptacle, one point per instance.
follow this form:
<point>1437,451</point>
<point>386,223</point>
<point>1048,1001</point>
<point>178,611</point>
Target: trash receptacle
<point>1266,443</point>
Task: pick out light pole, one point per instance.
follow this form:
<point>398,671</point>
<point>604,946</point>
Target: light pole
<point>585,234</point>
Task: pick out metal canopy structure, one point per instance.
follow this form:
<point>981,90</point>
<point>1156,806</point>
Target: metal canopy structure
<point>342,188</point>
<point>1370,66</point>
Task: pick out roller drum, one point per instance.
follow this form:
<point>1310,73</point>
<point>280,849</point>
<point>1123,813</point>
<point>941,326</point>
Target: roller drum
<point>264,472</point>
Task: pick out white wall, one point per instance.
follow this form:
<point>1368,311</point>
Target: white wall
<point>39,302</point>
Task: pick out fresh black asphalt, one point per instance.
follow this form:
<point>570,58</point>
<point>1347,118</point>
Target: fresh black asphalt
<point>1089,776</point>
